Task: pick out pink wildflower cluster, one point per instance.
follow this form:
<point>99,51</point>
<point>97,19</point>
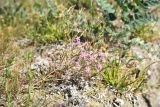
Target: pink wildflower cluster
<point>89,59</point>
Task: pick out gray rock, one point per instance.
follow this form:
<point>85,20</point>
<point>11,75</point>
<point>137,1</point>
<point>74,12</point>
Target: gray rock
<point>41,65</point>
<point>117,102</point>
<point>24,42</point>
<point>151,59</point>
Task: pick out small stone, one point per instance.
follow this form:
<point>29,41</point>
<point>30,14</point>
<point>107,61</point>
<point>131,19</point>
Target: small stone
<point>41,65</point>
<point>118,102</point>
<point>24,42</point>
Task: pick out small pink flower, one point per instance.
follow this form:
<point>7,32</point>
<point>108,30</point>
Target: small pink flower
<point>82,49</point>
<point>99,66</point>
<point>84,55</point>
<point>100,53</point>
<point>88,62</point>
<point>87,69</point>
<point>78,41</point>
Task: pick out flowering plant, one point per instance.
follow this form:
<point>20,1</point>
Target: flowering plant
<point>89,60</point>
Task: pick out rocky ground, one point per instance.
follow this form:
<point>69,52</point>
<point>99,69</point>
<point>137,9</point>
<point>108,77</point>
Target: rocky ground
<point>64,89</point>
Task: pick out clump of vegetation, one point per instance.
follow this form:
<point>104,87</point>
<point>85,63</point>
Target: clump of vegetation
<point>27,58</point>
<point>123,78</point>
<point>116,72</point>
<point>90,61</point>
<point>48,20</point>
<point>10,82</point>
